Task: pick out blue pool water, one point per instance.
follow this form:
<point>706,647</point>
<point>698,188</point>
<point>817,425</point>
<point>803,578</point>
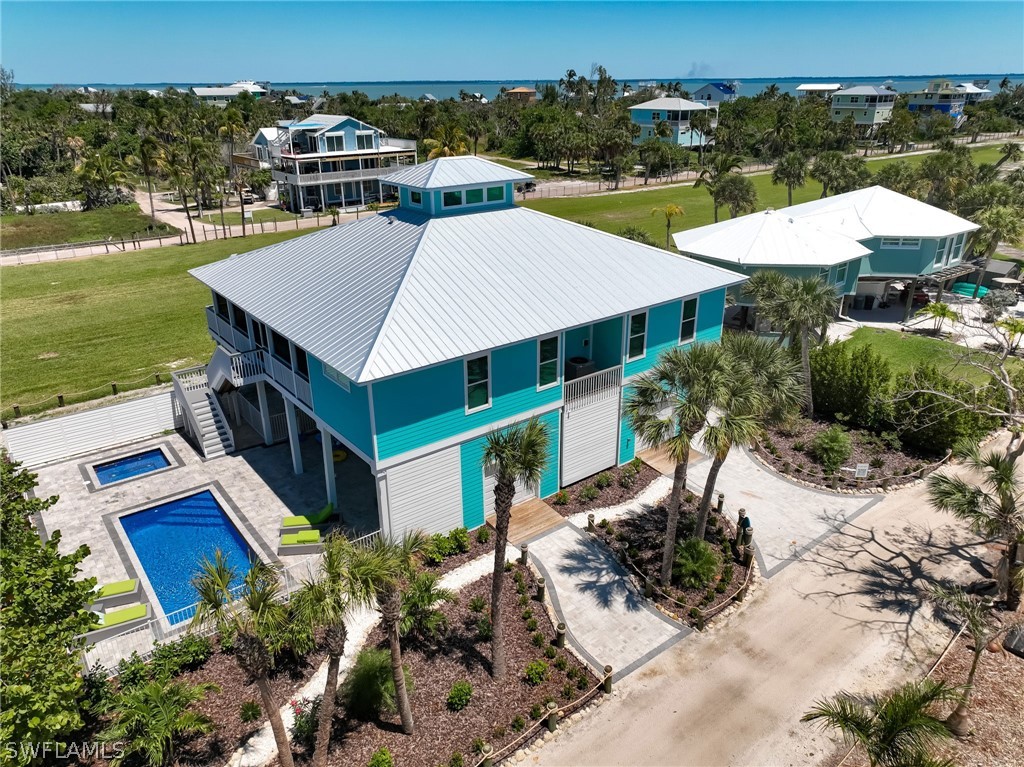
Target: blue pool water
<point>132,466</point>
<point>171,541</point>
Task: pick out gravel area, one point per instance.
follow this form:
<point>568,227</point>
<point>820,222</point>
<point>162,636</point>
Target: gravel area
<point>613,495</point>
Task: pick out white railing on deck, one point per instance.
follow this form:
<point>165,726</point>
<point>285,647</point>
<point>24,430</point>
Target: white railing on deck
<point>220,327</point>
<point>278,427</point>
<point>581,392</point>
<point>246,366</point>
<point>191,379</point>
<point>302,390</point>
<point>281,373</point>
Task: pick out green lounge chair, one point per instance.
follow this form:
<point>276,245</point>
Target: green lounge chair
<point>113,622</point>
<point>302,542</point>
<point>320,518</point>
<point>117,594</point>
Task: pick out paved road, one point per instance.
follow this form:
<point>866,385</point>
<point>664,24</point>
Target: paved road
<point>847,615</point>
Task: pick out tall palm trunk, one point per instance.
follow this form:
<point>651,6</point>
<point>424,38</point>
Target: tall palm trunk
<point>504,492</point>
<point>789,190</point>
<point>957,722</point>
<point>1010,562</point>
<point>988,259</point>
<point>393,607</point>
<point>152,208</point>
<point>223,226</point>
<point>805,365</point>
<point>716,212</point>
<point>334,638</point>
<point>675,500</point>
<point>705,501</point>
<point>284,749</point>
<point>241,199</point>
<point>188,216</point>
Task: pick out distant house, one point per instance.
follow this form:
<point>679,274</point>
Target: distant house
<point>869,105</point>
<point>713,94</point>
<point>975,91</point>
<point>296,100</point>
<point>940,96</point>
<point>326,160</point>
<point>824,90</point>
<point>220,95</point>
<point>97,109</point>
<point>998,272</point>
<point>522,94</point>
<point>677,113</point>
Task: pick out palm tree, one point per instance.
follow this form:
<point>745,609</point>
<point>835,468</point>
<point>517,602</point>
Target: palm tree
<point>241,184</point>
<point>721,165</point>
<point>518,453</point>
<point>764,382</point>
<point>448,140</point>
<point>701,122</point>
<point>177,174</point>
<point>149,160</point>
<point>688,381</point>
<point>830,169</point>
<point>999,223</point>
<point>976,616</point>
<point>1010,152</point>
<point>791,170</point>
<point>940,312</point>
<point>895,729</point>
<point>100,174</point>
<point>991,506</point>
<point>148,719</point>
<point>737,193</point>
<point>476,129</point>
<point>670,211</point>
<point>1014,329</point>
<point>232,125</point>
<point>256,618</point>
<point>325,600</point>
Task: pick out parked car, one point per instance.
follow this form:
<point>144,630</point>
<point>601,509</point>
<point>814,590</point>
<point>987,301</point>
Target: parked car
<point>247,196</point>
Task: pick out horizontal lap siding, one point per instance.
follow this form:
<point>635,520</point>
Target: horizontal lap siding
<point>419,408</point>
<point>426,493</point>
<point>889,261</point>
<point>347,412</point>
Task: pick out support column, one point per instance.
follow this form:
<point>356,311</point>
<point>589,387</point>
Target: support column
<point>910,300</point>
<point>327,442</point>
<point>261,394</point>
<point>293,436</point>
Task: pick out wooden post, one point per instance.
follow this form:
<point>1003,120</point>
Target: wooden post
<point>590,523</point>
<point>607,680</point>
<point>648,588</point>
<point>17,410</point>
<point>721,502</point>
<point>113,387</point>
<point>60,401</point>
<point>741,525</point>
<point>700,620</point>
<point>485,751</point>
<point>748,546</point>
<point>540,589</point>
<point>560,635</point>
<point>156,377</point>
<point>524,554</point>
<point>552,708</point>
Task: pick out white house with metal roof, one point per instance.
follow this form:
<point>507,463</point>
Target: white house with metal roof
<point>862,241</point>
<point>674,112</point>
<point>822,90</point>
<point>868,105</point>
<point>220,95</point>
<point>408,336</point>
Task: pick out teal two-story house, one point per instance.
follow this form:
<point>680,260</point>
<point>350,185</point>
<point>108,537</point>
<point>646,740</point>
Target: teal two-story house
<point>861,241</point>
<point>409,335</point>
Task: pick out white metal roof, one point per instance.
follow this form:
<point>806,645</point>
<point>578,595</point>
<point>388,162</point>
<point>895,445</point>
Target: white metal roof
<point>671,103</point>
<point>812,87</point>
<point>770,237</point>
<point>454,171</point>
<point>971,88</point>
<point>400,291</point>
<point>866,90</point>
<point>879,212</point>
<point>228,90</point>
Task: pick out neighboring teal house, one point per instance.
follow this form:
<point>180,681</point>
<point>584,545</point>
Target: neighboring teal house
<point>675,114</point>
<point>409,335</point>
<point>867,240</point>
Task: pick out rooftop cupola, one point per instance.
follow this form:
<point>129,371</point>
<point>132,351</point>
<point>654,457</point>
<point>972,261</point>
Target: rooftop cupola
<point>450,185</point>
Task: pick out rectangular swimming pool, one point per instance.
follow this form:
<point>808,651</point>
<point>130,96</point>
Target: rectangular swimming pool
<point>171,540</point>
<point>131,466</point>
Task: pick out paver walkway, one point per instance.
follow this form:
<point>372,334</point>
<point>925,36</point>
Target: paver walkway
<point>606,620</point>
<point>789,519</point>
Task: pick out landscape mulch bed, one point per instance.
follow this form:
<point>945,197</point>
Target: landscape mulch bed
<point>476,549</point>
<point>900,466</point>
<point>613,495</point>
<point>462,656</point>
<point>639,539</point>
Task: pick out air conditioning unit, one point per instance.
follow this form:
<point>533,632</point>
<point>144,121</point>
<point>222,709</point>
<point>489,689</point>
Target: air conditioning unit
<point>577,367</point>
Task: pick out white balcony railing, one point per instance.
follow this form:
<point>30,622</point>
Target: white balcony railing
<point>333,177</point>
<point>583,391</point>
<point>248,367</point>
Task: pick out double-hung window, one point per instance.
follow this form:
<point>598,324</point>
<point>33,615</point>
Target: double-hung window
<point>958,247</point>
<point>637,336</point>
<point>478,383</point>
<point>841,274</point>
<point>823,273</point>
<point>364,140</point>
<point>259,334</point>
<point>942,252</point>
<point>688,327</point>
<point>547,362</point>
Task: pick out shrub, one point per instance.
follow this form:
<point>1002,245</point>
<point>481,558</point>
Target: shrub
<point>531,624</point>
<point>720,587</point>
<point>535,672</point>
<point>932,423</point>
<point>853,382</point>
<point>550,652</point>
<point>132,671</point>
<point>727,573</point>
<point>891,440</point>
<point>567,691</point>
<point>304,729</point>
<point>538,639</point>
<point>459,695</point>
<point>637,464</point>
<point>187,654</point>
<point>603,480</point>
<point>523,600</point>
<point>497,733</point>
<point>478,745</point>
<point>877,462</point>
<point>459,540</point>
<point>437,548</point>
<point>250,711</point>
<point>456,760</point>
<point>526,614</point>
<point>420,601</point>
<point>572,672</point>
<point>518,724</point>
<point>536,712</point>
<point>696,563</point>
<point>561,498</point>
<point>581,682</point>
<point>831,448</point>
<point>800,446</point>
<point>483,534</point>
<point>627,478</point>
<point>381,758</point>
<point>588,493</point>
<point>509,566</point>
<point>97,691</point>
<point>477,604</point>
<point>484,629</point>
<point>694,613</point>
<point>561,663</point>
<point>369,688</point>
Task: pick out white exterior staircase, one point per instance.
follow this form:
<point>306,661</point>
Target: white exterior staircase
<point>204,419</point>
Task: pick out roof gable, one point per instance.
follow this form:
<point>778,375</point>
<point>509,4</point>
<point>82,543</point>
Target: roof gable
<point>464,170</point>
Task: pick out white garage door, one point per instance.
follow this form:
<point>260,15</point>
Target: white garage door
<point>523,492</point>
<point>590,435</point>
<point>426,494</point>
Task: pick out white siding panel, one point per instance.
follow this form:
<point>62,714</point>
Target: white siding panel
<point>523,492</point>
<point>426,493</point>
<point>56,439</point>
<point>590,438</point>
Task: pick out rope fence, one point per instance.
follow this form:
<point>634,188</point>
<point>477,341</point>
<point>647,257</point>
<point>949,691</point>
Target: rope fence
<point>17,410</point>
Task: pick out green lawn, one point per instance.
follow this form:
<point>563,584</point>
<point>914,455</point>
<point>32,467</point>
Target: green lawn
<point>25,231</point>
<point>234,216</point>
<point>76,325</point>
<point>905,351</point>
<point>611,212</point>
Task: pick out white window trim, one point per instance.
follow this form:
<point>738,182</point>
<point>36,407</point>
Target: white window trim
<point>629,335</point>
<point>558,362</point>
<point>465,382</point>
<point>943,250</point>
<point>844,268</point>
<point>339,379</point>
<point>824,272</point>
<point>412,201</point>
<point>496,186</point>
<point>696,314</point>
<point>462,198</point>
<point>901,243</point>
<point>958,247</point>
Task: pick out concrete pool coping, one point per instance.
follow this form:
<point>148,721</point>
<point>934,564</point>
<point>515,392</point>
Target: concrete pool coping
<point>92,481</point>
<point>131,562</point>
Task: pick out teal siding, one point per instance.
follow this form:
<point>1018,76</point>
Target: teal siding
<point>906,262</point>
<point>474,505</point>
<point>577,343</point>
<point>347,412</point>
<point>438,208</point>
<point>662,333</point>
<point>627,440</point>
<point>428,405</point>
<point>607,346</point>
<point>710,312</point>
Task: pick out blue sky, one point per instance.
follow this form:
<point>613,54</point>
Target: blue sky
<point>283,41</point>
